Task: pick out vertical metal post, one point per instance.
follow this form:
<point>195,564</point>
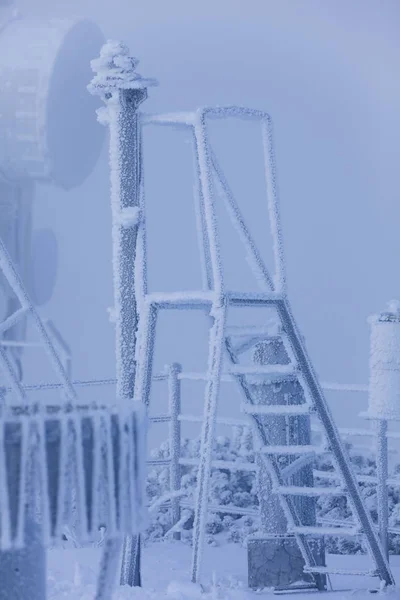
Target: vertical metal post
<point>383,403</point>
<point>22,570</point>
<point>123,90</point>
<point>382,488</point>
<point>174,388</point>
<point>272,517</point>
<point>273,204</point>
<point>216,343</point>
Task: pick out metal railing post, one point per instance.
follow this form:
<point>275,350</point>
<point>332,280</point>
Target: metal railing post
<point>174,392</point>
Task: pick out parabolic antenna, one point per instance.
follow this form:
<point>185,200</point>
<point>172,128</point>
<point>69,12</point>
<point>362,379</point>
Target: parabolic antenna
<point>48,128</point>
<point>43,266</point>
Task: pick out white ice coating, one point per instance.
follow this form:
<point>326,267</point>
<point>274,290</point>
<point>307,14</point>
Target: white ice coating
<point>122,513</point>
<point>129,216</point>
<point>115,78</point>
<point>115,69</point>
<point>216,337</point>
<point>384,382</point>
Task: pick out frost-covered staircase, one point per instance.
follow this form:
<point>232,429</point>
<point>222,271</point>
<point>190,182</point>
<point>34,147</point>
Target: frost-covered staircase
<point>299,367</point>
<point>218,302</point>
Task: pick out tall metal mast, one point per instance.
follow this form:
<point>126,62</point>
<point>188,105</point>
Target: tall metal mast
<point>123,90</point>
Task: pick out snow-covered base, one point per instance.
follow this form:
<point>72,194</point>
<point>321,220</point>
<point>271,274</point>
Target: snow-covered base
<point>166,567</point>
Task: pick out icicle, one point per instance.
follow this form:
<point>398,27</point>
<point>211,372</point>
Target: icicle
<point>80,479</point>
<point>97,522</point>
<point>112,525</point>
<point>42,468</point>
<point>5,515</point>
<point>20,531</point>
<point>62,501</point>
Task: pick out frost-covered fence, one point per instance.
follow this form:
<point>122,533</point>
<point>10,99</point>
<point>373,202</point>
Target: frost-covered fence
<point>348,434</point>
<point>174,392</point>
<point>97,453</point>
<point>48,451</point>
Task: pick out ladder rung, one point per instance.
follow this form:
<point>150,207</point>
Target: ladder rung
<point>334,571</point>
<point>253,331</point>
<point>195,299</point>
<point>289,450</point>
<point>277,409</point>
<point>158,462</point>
<point>329,475</point>
<point>270,370</point>
<point>295,588</point>
<point>339,531</point>
<point>292,490</point>
<point>160,419</point>
<point>254,299</point>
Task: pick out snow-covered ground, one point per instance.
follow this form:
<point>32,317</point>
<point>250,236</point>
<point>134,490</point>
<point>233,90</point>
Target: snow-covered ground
<point>166,568</point>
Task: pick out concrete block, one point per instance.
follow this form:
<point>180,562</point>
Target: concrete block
<point>275,561</point>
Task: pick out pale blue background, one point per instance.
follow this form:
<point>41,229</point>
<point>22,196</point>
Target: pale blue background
<point>328,73</point>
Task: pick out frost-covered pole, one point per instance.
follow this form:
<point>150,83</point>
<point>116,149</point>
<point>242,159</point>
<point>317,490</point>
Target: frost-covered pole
<point>123,90</point>
<point>384,400</point>
<point>272,517</point>
<point>174,385</point>
<point>274,558</point>
<point>382,476</point>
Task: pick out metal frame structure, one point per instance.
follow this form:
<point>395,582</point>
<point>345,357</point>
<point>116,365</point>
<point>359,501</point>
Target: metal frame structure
<point>217,300</point>
<point>46,449</point>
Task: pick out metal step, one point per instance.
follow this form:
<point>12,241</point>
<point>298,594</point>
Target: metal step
<point>292,490</point>
<point>272,371</point>
<point>158,462</point>
<point>323,531</point>
<point>295,588</point>
<point>160,419</point>
<point>328,475</point>
<point>292,450</point>
<point>277,409</point>
<point>334,571</point>
<point>253,330</point>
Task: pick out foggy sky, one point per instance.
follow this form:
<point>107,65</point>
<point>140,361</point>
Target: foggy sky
<point>328,75</point>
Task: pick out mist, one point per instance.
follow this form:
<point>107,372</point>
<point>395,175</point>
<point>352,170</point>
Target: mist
<point>328,75</point>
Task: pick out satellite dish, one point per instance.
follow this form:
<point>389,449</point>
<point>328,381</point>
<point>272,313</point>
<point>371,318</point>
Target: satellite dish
<point>48,128</point>
<point>43,266</point>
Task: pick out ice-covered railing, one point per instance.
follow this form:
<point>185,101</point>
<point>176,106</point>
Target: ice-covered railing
<point>172,375</point>
<point>346,432</point>
<point>208,167</point>
<point>64,452</point>
<point>174,417</point>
